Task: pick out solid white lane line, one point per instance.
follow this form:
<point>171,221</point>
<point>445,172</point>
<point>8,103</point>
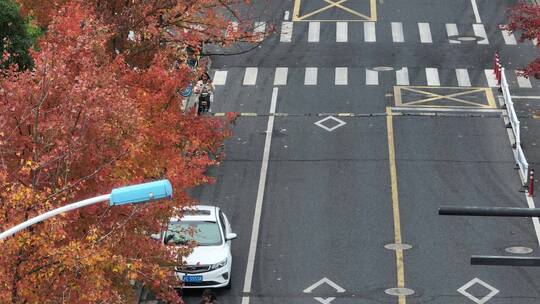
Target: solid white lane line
<point>310,76</point>
<point>397,32</point>
<point>425,32</point>
<point>402,76</point>
<point>250,76</point>
<point>480,31</point>
<point>341,76</point>
<point>341,31</point>
<point>452,31</point>
<point>280,77</point>
<point>259,202</point>
<point>220,77</point>
<point>260,27</point>
<point>372,77</point>
<point>432,75</point>
<point>463,78</point>
<point>286,31</point>
<point>536,223</point>
<point>490,77</point>
<point>522,81</point>
<point>508,37</point>
<point>313,31</point>
<point>475,10</point>
<point>369,32</point>
<point>525,97</point>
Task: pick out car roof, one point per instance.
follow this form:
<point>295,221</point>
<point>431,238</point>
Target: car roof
<point>198,213</point>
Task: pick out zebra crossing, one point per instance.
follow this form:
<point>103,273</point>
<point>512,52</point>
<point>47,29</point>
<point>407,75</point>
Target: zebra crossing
<point>397,32</point>
<point>342,76</point>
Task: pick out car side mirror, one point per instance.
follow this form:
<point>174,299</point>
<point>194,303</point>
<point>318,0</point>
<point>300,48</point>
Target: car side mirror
<point>231,236</point>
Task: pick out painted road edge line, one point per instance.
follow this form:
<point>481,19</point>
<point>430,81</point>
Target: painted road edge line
<point>258,205</point>
<point>475,10</point>
<point>400,267</point>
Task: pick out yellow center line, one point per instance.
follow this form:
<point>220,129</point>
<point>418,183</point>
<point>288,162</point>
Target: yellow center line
<point>400,268</point>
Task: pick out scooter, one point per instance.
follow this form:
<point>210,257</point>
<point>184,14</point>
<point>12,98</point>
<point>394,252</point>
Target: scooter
<point>204,102</point>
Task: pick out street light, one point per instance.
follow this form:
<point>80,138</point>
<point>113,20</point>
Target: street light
<point>140,193</point>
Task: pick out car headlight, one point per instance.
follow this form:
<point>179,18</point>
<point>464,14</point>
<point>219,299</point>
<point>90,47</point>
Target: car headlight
<point>218,265</point>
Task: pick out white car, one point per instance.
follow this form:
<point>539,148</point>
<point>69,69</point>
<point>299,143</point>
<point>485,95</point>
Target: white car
<point>209,264</point>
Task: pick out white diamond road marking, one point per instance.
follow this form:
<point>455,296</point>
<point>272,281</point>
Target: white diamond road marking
<point>324,301</point>
<point>463,291</point>
<point>340,123</point>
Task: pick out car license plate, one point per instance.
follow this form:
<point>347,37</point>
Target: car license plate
<point>192,278</point>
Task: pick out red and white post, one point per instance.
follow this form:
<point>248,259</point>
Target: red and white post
<point>531,183</point>
<point>497,67</point>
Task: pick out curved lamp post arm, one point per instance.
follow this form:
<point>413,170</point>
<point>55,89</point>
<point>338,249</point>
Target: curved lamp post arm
<point>134,194</point>
<point>54,212</point>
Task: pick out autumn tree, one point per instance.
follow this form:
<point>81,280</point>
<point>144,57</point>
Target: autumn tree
<point>85,120</point>
<point>524,19</point>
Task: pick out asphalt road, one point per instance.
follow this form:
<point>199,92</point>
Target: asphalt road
<point>378,164</point>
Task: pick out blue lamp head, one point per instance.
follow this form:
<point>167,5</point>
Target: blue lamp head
<point>141,193</point>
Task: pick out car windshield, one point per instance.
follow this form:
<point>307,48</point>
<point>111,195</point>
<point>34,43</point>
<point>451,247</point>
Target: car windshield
<point>203,233</point>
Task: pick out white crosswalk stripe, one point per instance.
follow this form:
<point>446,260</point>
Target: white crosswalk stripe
<point>432,75</point>
<point>402,76</point>
<point>341,77</point>
<point>280,77</point>
<point>220,77</point>
<point>342,31</point>
<point>463,79</point>
<point>397,32</point>
<point>314,31</point>
<point>490,77</point>
<point>452,33</point>
<point>260,27</point>
<point>250,76</point>
<point>310,78</point>
<point>369,32</point>
<point>425,32</point>
<point>480,31</point>
<point>522,81</point>
<point>508,37</point>
<point>286,31</point>
<point>232,28</point>
<point>372,77</point>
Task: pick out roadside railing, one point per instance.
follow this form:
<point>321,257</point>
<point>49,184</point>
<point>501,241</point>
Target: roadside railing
<point>514,124</point>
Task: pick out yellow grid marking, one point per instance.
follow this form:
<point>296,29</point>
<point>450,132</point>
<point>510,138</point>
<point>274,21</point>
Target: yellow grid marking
<point>432,96</point>
<point>336,4</point>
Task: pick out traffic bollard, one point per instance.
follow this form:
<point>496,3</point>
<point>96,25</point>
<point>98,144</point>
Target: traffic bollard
<point>531,183</point>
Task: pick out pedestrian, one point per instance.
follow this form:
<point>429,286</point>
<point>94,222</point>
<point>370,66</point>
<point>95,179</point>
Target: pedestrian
<point>208,297</point>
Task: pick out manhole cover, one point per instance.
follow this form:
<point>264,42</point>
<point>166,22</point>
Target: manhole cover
<point>399,291</point>
<point>397,246</point>
<point>382,68</point>
<point>467,38</point>
<point>519,250</point>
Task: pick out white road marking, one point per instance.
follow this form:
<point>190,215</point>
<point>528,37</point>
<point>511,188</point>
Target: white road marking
<point>452,31</point>
<point>463,291</point>
<point>322,281</point>
<point>232,28</point>
<point>432,75</point>
<point>320,123</point>
<point>286,31</point>
<point>250,76</point>
<point>280,78</point>
<point>475,10</point>
<point>397,32</point>
<point>369,32</point>
<point>402,76</point>
<point>220,77</point>
<point>259,202</point>
<point>260,27</point>
<point>341,76</point>
<point>372,77</point>
<point>536,222</point>
<point>480,31</point>
<point>463,78</point>
<point>508,37</point>
<point>490,77</point>
<point>525,97</point>
<point>522,81</point>
<point>286,16</point>
<point>310,76</point>
<point>314,31</point>
<point>534,41</point>
<point>425,32</point>
<point>341,31</point>
<point>323,300</point>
